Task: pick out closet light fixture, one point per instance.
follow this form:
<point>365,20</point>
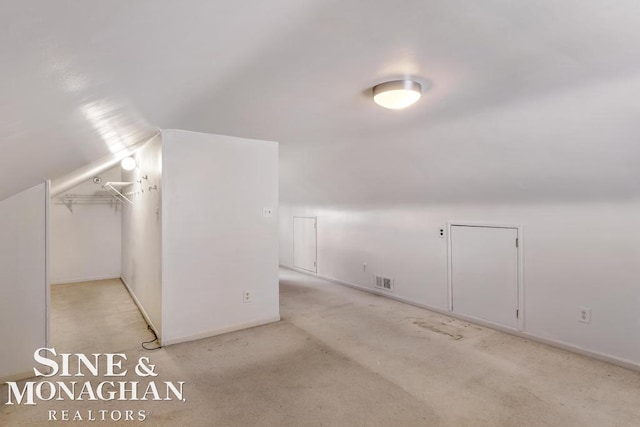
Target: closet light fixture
<point>128,163</point>
<point>397,94</point>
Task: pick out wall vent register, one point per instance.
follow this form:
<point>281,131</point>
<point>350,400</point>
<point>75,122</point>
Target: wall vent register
<point>384,282</point>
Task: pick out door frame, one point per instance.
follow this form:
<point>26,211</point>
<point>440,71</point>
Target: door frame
<point>520,250</point>
<point>47,268</point>
<point>293,234</point>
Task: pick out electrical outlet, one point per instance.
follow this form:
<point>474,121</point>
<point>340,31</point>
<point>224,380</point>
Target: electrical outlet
<point>441,233</point>
<point>584,314</point>
<point>364,266</point>
<point>267,212</point>
<point>246,296</point>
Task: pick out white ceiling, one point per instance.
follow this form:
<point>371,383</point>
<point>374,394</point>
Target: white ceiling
<point>527,99</point>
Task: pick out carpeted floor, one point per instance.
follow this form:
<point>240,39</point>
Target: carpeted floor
<point>340,357</point>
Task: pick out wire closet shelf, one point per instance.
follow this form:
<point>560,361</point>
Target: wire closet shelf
<point>110,196</point>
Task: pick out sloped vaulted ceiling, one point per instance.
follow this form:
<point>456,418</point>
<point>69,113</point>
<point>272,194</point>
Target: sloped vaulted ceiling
<point>519,90</point>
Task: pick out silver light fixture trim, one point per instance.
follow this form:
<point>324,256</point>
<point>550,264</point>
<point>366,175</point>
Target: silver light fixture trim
<point>397,94</point>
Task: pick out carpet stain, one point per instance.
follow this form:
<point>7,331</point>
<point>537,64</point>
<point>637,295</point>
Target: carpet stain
<point>432,328</point>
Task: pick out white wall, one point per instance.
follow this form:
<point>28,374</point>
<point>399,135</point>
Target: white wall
<point>574,255</point>
<point>141,233</point>
<point>216,242</point>
<point>23,280</point>
<point>563,164</point>
<point>85,242</point>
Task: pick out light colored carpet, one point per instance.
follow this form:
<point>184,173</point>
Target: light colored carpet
<point>341,357</point>
<point>95,317</point>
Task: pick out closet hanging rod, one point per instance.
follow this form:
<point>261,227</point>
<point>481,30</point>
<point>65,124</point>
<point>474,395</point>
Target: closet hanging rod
<point>70,200</point>
<point>88,202</point>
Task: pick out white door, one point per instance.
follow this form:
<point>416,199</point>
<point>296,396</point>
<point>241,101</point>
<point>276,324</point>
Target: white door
<point>484,273</point>
<point>304,243</point>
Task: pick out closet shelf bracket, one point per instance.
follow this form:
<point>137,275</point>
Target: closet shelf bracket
<point>111,187</point>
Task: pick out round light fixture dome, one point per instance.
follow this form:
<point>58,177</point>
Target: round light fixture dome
<point>397,94</point>
<point>128,163</point>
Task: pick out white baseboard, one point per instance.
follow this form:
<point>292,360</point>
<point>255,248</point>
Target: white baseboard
<point>550,342</point>
<point>84,279</point>
<point>142,310</point>
<point>213,333</point>
<point>165,342</point>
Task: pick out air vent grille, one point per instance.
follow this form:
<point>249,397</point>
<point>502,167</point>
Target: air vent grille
<point>384,282</point>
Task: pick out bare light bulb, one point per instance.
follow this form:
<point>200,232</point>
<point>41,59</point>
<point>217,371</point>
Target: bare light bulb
<point>128,163</point>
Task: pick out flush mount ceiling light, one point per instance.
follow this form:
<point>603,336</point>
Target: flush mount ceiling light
<point>128,163</point>
<point>397,94</point>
